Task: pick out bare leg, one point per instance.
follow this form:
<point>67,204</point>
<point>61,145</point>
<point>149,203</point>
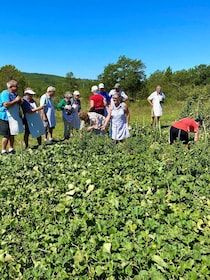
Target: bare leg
<point>4,143</point>
<point>11,141</point>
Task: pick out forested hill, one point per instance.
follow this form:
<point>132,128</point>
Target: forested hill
<point>40,82</point>
<point>43,79</point>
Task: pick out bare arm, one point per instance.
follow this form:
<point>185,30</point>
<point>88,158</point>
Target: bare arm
<point>107,118</point>
<point>91,105</point>
<point>127,113</point>
<point>196,137</point>
<point>150,102</point>
<point>11,103</point>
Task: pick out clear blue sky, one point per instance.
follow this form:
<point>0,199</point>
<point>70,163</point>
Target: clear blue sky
<point>82,37</point>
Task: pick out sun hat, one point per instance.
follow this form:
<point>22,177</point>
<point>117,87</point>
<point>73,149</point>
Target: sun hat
<point>76,92</point>
<point>101,86</point>
<point>117,85</point>
<point>29,91</point>
<point>94,88</point>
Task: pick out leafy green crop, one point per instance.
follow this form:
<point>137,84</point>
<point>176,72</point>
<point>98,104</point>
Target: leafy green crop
<point>90,209</point>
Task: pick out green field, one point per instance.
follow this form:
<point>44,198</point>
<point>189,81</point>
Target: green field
<point>91,209</point>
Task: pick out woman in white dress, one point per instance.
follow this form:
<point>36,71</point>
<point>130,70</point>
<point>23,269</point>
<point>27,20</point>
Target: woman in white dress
<point>118,115</point>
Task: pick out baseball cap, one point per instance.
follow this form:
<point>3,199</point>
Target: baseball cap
<point>101,85</point>
<point>117,85</point>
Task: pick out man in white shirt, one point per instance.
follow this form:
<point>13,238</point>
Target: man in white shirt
<point>117,89</point>
<point>156,100</point>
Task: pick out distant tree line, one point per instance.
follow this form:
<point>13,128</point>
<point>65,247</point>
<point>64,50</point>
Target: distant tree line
<point>130,73</point>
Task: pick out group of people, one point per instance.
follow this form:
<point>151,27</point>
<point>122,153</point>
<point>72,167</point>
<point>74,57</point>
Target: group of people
<point>104,108</point>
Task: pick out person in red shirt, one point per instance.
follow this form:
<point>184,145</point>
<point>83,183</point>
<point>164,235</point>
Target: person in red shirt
<point>181,128</point>
<point>97,102</point>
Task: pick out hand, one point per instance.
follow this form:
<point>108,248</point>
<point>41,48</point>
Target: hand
<point>18,99</point>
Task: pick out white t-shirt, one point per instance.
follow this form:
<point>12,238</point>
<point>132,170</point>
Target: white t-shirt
<point>157,100</point>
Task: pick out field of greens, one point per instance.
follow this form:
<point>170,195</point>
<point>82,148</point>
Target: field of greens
<point>91,209</point>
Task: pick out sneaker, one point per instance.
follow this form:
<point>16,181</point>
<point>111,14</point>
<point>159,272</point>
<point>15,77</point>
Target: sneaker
<point>12,152</point>
<point>3,154</point>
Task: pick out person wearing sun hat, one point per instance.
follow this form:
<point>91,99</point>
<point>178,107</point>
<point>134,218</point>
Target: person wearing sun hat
<point>32,119</point>
<point>105,95</point>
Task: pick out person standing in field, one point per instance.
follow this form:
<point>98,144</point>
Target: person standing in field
<point>156,100</point>
<point>48,113</point>
<point>65,105</point>
<point>180,129</point>
<point>97,101</point>
<point>121,93</point>
<point>10,122</point>
<point>32,119</point>
<point>118,115</point>
<point>76,107</point>
<point>105,95</point>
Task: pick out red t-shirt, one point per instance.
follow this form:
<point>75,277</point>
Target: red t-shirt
<point>186,124</point>
<point>98,101</point>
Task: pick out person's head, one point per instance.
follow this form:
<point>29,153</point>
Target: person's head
<point>84,117</point>
<point>68,96</point>
<point>117,87</point>
<point>76,94</point>
<point>101,87</point>
<point>12,86</point>
<point>51,91</point>
<point>94,89</point>
<point>158,88</point>
<point>199,121</point>
<point>116,99</point>
<point>29,93</point>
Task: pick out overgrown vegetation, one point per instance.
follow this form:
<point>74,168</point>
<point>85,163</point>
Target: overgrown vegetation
<point>89,209</point>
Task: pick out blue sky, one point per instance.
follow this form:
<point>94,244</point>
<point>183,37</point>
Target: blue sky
<point>83,37</point>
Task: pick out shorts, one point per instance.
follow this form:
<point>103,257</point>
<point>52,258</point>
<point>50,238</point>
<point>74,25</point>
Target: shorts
<point>178,133</point>
<point>4,129</point>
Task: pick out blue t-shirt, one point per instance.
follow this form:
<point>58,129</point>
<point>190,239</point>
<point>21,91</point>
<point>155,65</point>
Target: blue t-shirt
<point>5,96</point>
<point>105,95</point>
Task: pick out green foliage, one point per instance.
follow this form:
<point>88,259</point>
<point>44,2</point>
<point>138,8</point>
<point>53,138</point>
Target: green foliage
<point>89,209</point>
<point>128,72</point>
<point>9,72</point>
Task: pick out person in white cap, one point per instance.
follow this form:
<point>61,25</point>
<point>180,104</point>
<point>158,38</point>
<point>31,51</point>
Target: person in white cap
<point>32,119</point>
<point>121,93</point>
<point>48,113</point>
<point>105,95</point>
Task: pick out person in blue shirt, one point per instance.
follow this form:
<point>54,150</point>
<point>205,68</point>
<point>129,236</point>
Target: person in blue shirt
<point>8,99</point>
<point>105,95</point>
